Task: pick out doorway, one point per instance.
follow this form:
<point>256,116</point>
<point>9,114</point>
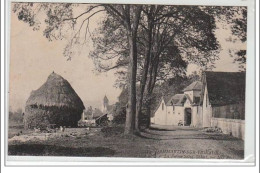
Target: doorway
<point>187,117</point>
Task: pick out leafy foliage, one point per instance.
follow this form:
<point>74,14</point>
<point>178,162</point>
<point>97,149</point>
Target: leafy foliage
<point>119,113</point>
<point>16,117</point>
<point>147,44</point>
<point>181,35</point>
<point>110,45</point>
<point>236,18</point>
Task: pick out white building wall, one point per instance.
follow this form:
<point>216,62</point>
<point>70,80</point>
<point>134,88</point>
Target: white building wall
<point>178,115</point>
<point>200,117</point>
<point>170,116</point>
<point>230,126</point>
<point>206,110</point>
<point>194,117</point>
<point>160,114</point>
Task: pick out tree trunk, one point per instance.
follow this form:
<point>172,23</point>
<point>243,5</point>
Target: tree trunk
<point>149,100</point>
<point>132,68</point>
<point>153,70</point>
<point>149,94</point>
<point>142,88</point>
<point>131,106</point>
<point>144,75</point>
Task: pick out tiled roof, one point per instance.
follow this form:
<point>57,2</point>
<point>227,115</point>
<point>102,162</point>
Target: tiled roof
<point>197,85</point>
<point>177,99</point>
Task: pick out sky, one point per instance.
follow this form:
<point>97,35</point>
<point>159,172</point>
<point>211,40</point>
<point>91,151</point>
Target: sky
<point>33,58</point>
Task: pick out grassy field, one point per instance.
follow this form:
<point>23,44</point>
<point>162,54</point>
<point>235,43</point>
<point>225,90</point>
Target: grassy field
<point>17,129</point>
<point>110,142</point>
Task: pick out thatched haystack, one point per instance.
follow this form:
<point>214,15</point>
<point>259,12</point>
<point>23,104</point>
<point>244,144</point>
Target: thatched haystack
<point>55,102</point>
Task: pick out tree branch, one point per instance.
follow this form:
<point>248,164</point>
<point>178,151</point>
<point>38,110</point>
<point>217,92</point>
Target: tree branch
<point>75,18</point>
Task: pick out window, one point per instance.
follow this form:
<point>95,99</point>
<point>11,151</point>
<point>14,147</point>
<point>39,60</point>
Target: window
<point>162,106</point>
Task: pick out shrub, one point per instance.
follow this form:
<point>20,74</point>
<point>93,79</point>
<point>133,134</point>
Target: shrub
<point>16,117</point>
<point>119,113</point>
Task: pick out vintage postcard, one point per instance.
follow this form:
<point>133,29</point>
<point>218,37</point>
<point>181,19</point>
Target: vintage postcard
<point>128,81</point>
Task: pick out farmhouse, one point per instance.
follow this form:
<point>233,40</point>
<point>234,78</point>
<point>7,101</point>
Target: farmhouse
<point>218,100</point>
<point>180,109</point>
<point>55,102</point>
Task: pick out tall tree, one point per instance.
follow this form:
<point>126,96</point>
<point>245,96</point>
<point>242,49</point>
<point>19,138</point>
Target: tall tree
<point>130,17</point>
<point>169,37</point>
<point>146,43</point>
<point>180,35</point>
<point>58,15</point>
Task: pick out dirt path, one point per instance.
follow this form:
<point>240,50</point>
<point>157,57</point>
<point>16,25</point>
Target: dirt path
<point>179,142</point>
<point>168,143</point>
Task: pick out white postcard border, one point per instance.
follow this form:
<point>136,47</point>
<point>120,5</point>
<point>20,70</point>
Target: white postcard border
<point>250,99</point>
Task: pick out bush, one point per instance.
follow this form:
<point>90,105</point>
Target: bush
<point>119,113</point>
<point>16,118</point>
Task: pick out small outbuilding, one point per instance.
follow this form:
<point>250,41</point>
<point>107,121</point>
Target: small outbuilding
<point>55,102</point>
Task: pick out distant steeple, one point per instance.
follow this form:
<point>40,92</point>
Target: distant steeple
<point>105,104</point>
<point>105,100</point>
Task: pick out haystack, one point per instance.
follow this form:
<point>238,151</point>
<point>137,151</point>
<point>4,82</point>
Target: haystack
<point>55,102</point>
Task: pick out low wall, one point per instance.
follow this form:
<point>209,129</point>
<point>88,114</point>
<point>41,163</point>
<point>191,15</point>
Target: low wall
<point>234,126</point>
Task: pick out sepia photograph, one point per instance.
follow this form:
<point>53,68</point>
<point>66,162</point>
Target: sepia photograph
<point>127,80</point>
